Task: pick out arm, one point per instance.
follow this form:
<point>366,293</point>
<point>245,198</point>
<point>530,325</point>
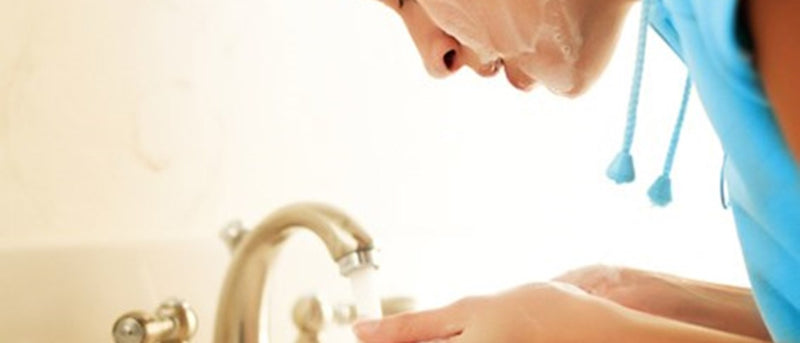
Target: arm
<point>651,329</point>
<point>719,307</point>
<point>553,313</point>
<point>775,30</point>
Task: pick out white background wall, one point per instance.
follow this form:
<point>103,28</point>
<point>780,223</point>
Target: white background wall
<point>129,126</point>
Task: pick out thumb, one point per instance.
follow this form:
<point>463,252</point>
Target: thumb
<point>597,279</point>
<point>411,327</point>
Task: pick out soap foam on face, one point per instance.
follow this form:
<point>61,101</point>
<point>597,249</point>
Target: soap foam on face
<point>463,20</point>
<point>559,41</point>
<point>544,41</point>
<point>368,301</point>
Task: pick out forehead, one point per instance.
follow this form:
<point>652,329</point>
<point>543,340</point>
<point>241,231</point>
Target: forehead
<point>390,3</point>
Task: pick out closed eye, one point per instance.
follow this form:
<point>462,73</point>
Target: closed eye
<point>401,3</point>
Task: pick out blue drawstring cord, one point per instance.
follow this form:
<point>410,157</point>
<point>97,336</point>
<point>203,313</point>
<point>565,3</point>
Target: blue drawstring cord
<point>660,192</point>
<point>621,169</point>
<point>722,197</point>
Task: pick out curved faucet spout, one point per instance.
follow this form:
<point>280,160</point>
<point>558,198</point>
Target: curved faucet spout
<point>238,313</point>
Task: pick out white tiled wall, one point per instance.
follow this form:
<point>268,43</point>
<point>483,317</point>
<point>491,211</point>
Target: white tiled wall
<point>131,131</point>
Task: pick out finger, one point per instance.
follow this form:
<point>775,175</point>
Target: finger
<point>423,326</point>
<point>597,280</point>
<point>455,339</point>
<point>568,287</point>
<point>517,77</point>
<point>446,340</point>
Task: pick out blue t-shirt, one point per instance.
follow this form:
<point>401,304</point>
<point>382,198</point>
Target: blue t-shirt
<point>762,177</point>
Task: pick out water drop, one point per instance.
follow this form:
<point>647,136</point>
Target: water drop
<point>368,302</point>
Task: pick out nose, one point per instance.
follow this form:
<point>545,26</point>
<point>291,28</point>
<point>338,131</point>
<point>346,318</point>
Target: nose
<point>444,56</point>
<point>440,52</point>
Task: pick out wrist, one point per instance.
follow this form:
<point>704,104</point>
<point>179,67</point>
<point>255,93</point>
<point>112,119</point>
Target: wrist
<point>645,328</point>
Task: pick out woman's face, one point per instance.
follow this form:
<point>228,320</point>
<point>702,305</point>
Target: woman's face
<point>563,44</point>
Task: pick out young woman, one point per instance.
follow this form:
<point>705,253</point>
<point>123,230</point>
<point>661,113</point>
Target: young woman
<point>744,59</point>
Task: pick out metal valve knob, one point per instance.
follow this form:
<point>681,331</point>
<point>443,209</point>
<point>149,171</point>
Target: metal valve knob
<point>173,322</point>
<point>232,234</point>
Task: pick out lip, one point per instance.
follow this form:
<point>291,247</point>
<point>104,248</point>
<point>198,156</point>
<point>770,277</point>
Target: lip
<point>525,87</point>
<point>491,69</point>
<point>518,80</point>
<point>524,84</point>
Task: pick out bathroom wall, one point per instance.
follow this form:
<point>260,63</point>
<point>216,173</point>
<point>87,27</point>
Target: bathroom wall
<point>132,131</point>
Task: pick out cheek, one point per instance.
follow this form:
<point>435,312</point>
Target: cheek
<point>549,66</point>
<point>464,21</point>
<point>557,48</point>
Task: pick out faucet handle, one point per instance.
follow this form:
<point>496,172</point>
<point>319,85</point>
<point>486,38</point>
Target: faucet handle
<point>310,314</point>
<point>173,322</point>
<point>232,234</point>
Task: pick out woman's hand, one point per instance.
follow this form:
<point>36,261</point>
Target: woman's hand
<point>726,308</point>
<point>545,312</point>
<point>548,312</point>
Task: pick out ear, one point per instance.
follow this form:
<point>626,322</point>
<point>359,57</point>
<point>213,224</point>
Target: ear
<point>775,26</point>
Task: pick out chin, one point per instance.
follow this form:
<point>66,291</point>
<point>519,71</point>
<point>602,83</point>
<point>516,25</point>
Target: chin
<point>573,93</point>
<point>580,87</point>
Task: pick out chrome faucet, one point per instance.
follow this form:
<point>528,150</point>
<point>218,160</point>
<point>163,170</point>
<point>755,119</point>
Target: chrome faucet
<point>239,309</point>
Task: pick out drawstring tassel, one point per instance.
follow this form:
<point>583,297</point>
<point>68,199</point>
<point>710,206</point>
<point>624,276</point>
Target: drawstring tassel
<point>660,192</point>
<point>621,169</point>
